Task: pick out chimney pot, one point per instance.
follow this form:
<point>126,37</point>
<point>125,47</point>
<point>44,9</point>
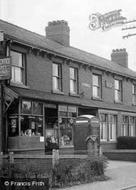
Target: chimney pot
<point>120,56</point>
<point>58,31</point>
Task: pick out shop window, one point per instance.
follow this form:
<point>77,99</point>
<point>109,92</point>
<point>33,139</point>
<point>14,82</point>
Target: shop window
<point>18,67</point>
<point>118,90</point>
<point>103,126</point>
<point>97,80</point>
<point>30,119</point>
<point>73,80</point>
<point>57,77</point>
<point>66,119</point>
<point>13,126</point>
<point>31,126</point>
<point>26,107</point>
<point>134,94</point>
<point>37,108</point>
<point>112,127</point>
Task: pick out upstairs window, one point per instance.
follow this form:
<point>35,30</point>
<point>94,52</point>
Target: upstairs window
<point>97,80</point>
<point>134,94</point>
<point>118,90</point>
<point>73,80</point>
<point>57,77</point>
<point>17,72</point>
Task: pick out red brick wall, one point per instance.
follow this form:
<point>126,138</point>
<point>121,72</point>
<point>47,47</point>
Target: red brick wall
<point>39,77</point>
<point>39,71</point>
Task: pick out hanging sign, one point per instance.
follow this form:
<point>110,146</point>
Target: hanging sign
<point>5,69</point>
<point>106,21</point>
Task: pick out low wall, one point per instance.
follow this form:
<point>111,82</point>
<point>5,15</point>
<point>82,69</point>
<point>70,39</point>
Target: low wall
<point>41,162</point>
<point>123,155</point>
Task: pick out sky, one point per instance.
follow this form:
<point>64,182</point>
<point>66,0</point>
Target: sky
<point>34,15</point>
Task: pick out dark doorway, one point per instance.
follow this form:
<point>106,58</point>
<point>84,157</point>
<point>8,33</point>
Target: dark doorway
<point>51,129</point>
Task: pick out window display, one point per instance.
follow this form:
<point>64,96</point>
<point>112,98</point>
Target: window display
<point>13,126</point>
<point>66,119</point>
<point>29,122</point>
<point>31,126</point>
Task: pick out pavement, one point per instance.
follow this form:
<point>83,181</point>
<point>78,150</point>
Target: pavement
<point>122,176</point>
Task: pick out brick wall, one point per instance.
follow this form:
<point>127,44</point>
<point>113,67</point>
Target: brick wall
<point>39,71</point>
<point>39,76</point>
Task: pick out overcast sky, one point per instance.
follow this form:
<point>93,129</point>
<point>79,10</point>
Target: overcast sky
<point>34,15</point>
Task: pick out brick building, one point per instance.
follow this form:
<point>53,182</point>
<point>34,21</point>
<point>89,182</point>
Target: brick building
<point>52,83</point>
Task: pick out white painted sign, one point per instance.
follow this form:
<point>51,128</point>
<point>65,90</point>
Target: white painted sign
<point>5,69</point>
<point>41,139</point>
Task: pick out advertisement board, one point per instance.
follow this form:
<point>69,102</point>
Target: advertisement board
<point>5,69</point>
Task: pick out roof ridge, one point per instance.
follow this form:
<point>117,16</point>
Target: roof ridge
<point>17,26</point>
<point>39,40</point>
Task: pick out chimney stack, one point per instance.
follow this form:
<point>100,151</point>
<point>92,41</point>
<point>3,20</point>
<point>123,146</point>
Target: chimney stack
<point>58,31</point>
<point>120,56</point>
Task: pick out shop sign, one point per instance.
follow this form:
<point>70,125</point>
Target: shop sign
<point>106,21</point>
<point>41,139</point>
<point>5,69</point>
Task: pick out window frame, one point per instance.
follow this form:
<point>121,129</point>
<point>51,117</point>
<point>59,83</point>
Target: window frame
<point>103,127</point>
<point>134,94</point>
<point>98,87</point>
<point>22,68</point>
<point>58,77</point>
<point>74,80</point>
<point>118,90</point>
<point>112,126</point>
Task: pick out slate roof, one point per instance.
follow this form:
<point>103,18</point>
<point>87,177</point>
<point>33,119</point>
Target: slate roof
<point>39,41</point>
<point>50,97</point>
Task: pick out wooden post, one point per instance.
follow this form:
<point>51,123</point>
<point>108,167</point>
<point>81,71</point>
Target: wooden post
<point>55,157</point>
<point>11,158</point>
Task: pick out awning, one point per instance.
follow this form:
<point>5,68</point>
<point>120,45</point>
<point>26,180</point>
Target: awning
<point>9,97</point>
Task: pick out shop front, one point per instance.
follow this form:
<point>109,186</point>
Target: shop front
<point>33,123</point>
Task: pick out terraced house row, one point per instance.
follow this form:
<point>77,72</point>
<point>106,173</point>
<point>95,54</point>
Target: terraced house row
<point>52,83</point>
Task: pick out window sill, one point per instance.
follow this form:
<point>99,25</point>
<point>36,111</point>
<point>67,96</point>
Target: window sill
<point>57,92</point>
<point>20,85</point>
<point>98,99</point>
<point>73,94</point>
<point>67,146</point>
<point>107,142</point>
<point>118,102</point>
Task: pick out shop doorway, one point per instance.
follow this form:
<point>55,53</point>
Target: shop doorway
<point>51,127</point>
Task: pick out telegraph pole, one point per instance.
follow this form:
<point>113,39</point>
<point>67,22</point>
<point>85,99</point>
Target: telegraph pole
<point>1,116</point>
<point>5,74</point>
